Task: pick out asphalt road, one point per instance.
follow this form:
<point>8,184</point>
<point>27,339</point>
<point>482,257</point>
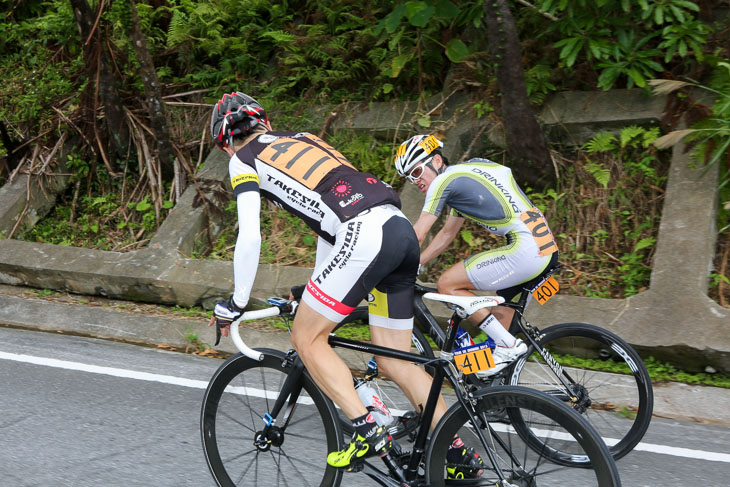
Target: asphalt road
<point>82,412</point>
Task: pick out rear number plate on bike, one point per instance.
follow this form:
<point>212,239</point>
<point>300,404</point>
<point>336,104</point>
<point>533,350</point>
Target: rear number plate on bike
<point>546,290</point>
<point>474,358</point>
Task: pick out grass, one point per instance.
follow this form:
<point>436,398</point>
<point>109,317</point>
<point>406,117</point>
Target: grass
<point>659,372</point>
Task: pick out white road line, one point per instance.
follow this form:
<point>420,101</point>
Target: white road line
<point>146,376</point>
<point>199,384</point>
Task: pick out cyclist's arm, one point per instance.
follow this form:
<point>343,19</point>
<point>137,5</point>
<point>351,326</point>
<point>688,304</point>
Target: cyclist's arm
<point>423,225</point>
<point>443,238</point>
<point>248,245</point>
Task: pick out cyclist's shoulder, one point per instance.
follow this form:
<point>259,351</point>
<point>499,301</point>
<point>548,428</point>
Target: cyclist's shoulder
<point>479,161</point>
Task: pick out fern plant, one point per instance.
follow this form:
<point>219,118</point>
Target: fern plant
<point>711,136</point>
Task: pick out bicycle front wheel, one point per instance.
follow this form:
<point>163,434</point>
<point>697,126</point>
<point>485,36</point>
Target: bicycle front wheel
<point>240,393</point>
<point>618,403</point>
<point>514,459</point>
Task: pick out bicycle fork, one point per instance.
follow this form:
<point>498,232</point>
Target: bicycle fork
<point>271,434</point>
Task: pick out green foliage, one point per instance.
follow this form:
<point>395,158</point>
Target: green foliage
<point>418,38</point>
<point>600,173</point>
<point>39,62</point>
<point>483,108</point>
<point>368,154</point>
<point>285,238</point>
<point>195,344</point>
<point>667,372</point>
<point>95,217</point>
<point>472,241</point>
<point>538,80</point>
<point>716,279</point>
<point>625,40</point>
<point>631,59</point>
<point>606,231</point>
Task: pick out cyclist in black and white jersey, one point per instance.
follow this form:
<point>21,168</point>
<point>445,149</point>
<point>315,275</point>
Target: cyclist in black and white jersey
<point>486,193</point>
<point>366,248</point>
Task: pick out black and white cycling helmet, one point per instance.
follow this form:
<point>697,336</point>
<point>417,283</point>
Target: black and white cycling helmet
<point>235,114</point>
<point>417,149</point>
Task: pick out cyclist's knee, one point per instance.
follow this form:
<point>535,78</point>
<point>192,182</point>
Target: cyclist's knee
<point>446,285</point>
<point>453,280</point>
<point>304,337</point>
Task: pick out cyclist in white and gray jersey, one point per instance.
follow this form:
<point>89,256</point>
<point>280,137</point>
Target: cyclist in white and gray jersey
<point>486,193</point>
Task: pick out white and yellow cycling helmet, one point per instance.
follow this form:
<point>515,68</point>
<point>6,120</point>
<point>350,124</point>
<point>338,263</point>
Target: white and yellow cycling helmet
<point>416,150</point>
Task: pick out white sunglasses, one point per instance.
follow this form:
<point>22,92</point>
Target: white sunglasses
<point>417,171</point>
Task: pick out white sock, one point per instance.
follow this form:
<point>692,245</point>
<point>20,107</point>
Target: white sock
<point>492,327</point>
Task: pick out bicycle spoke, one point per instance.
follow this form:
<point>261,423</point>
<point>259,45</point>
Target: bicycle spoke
<point>294,454</point>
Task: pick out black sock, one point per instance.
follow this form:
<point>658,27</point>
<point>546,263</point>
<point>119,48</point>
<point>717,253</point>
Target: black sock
<point>365,425</point>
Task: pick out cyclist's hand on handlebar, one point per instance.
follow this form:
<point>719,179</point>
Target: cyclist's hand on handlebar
<point>225,313</point>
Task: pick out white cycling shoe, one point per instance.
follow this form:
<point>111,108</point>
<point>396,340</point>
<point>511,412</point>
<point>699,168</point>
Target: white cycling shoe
<point>503,356</point>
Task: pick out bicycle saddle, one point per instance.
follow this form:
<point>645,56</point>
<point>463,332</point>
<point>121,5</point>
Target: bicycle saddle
<point>469,304</point>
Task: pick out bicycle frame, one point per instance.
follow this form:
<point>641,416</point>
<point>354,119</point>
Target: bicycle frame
<point>533,336</point>
<point>433,330</point>
<point>444,370</point>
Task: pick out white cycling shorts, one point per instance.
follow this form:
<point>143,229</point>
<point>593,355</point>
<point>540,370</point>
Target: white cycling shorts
<point>506,267</point>
<point>375,255</point>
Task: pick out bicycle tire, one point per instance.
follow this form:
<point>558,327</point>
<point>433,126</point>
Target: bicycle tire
<point>240,392</point>
<point>599,398</point>
<point>519,462</point>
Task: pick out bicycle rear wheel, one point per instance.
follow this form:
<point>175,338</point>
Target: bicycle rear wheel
<point>617,404</point>
<point>560,429</point>
<point>240,393</point>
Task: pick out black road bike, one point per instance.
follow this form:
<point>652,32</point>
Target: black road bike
<point>618,405</point>
<point>264,422</point>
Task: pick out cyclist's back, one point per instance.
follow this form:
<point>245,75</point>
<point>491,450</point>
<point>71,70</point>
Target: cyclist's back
<point>304,175</point>
<point>482,191</point>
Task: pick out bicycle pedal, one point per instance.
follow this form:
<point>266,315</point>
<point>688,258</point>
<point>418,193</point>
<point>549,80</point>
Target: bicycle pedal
<point>356,466</point>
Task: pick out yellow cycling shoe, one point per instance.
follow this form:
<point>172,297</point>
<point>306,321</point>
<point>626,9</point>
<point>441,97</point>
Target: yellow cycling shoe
<point>360,447</point>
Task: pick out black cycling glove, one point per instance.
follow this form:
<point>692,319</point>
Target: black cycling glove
<point>225,313</point>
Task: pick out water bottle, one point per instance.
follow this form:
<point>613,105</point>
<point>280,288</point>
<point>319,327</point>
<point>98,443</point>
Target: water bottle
<point>375,405</point>
<point>463,339</point>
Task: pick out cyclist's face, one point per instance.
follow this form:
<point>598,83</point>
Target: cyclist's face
<point>423,174</point>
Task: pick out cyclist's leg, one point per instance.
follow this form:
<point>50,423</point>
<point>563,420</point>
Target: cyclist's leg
<point>412,379</point>
<point>367,249</point>
<point>309,337</point>
<point>499,270</point>
<point>455,281</point>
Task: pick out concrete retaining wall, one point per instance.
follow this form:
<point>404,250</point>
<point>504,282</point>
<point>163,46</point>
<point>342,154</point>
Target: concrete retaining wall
<point>674,319</point>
